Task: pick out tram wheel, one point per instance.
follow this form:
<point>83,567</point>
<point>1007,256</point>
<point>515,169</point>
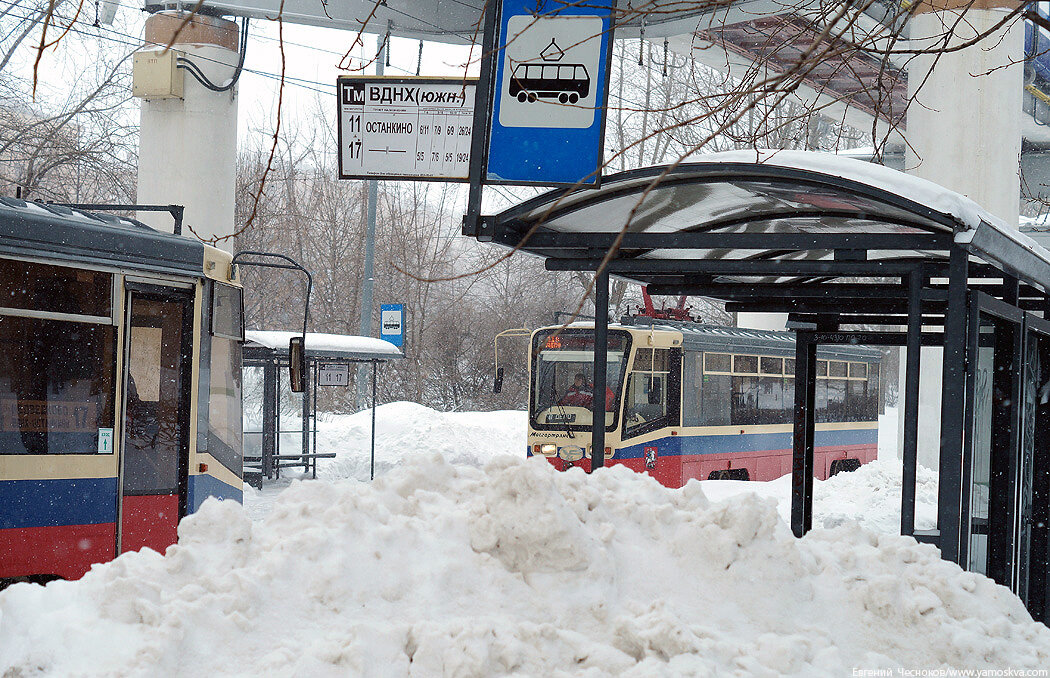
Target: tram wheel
<point>737,474</point>
<point>532,98</point>
<point>563,98</point>
<point>718,475</point>
<point>522,97</point>
<point>574,97</point>
<point>843,466</point>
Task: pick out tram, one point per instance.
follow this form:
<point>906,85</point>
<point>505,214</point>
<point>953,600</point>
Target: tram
<point>688,401</point>
<point>568,83</point>
<point>120,386</point>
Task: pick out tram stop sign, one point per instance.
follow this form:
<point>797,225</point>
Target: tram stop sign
<point>550,92</point>
<point>391,323</point>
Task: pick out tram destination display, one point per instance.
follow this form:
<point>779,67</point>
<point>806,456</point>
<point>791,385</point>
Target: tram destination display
<point>405,128</point>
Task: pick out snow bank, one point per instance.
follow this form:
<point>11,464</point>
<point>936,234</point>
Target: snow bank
<point>870,497</point>
<point>436,569</point>
<point>404,429</point>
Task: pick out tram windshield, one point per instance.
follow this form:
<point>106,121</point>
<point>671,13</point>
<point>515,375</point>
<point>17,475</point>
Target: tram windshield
<point>563,378</point>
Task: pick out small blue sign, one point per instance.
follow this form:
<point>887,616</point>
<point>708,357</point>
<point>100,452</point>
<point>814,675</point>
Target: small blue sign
<point>550,92</point>
<point>392,323</point>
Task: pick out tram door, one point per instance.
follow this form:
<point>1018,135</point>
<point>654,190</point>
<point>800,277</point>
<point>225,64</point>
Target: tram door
<point>156,417</point>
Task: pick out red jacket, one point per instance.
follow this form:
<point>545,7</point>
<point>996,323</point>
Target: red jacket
<point>584,396</point>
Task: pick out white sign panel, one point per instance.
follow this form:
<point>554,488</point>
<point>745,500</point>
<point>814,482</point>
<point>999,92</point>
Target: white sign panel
<point>549,72</point>
<point>405,128</point>
<point>105,441</point>
<point>329,374</point>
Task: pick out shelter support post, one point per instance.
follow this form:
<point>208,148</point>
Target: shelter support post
<point>306,416</point>
<point>802,442</point>
<point>911,401</point>
<point>269,423</point>
<point>372,466</point>
<point>601,351</point>
<point>953,405</point>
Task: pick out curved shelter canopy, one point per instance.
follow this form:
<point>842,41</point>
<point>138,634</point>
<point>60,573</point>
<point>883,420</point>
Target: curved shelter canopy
<point>787,220</point>
<point>838,243</point>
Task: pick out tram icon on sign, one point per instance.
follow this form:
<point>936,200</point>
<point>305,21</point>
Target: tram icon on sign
<point>548,79</point>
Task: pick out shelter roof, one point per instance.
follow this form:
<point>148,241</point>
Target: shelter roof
<point>765,217</point>
<point>321,345</point>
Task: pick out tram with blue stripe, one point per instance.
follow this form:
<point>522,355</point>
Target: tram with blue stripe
<point>120,386</point>
<point>687,401</point>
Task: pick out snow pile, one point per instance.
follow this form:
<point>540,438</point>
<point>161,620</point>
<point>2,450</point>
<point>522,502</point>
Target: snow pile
<point>436,569</point>
<point>869,496</point>
<point>405,429</point>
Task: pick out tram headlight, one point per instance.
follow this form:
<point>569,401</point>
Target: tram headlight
<point>547,449</point>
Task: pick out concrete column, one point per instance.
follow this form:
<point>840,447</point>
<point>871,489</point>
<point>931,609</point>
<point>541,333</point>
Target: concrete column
<point>964,133</point>
<point>188,146</point>
<point>964,124</point>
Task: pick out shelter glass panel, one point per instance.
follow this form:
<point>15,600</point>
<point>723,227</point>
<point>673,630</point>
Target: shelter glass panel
<point>981,450</point>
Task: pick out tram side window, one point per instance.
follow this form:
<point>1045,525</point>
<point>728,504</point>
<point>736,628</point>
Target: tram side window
<point>651,397</point>
<point>715,390</point>
<point>225,425</point>
<point>692,380</point>
<point>55,289</point>
<point>56,385</point>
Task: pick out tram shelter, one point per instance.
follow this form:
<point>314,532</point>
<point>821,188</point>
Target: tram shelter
<point>328,360</point>
<point>853,253</point>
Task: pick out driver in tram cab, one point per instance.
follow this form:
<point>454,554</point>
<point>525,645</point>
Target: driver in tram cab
<point>581,393</point>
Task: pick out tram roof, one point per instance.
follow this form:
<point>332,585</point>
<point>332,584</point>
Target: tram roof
<point>63,234</point>
<point>714,337</point>
<point>769,230</point>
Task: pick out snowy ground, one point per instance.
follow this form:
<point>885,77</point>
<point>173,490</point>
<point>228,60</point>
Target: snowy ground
<point>497,565</point>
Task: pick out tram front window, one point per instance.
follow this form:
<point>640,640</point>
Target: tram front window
<point>563,382</point>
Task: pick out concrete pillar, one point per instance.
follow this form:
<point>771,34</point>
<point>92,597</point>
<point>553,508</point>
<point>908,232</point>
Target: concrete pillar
<point>188,145</point>
<point>964,133</point>
<point>964,124</point>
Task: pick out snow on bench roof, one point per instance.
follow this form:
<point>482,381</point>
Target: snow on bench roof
<point>320,344</point>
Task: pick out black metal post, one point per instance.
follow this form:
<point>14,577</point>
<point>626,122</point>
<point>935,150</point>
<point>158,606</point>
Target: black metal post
<point>601,351</point>
<point>911,402</point>
<point>372,467</point>
<point>306,415</point>
<point>479,141</point>
<point>313,425</point>
<point>802,439</point>
<point>269,433</point>
<point>953,403</point>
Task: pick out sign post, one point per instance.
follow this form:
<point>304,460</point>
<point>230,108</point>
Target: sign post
<point>391,323</point>
<point>550,93</point>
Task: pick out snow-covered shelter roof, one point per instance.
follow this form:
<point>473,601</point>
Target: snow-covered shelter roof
<point>322,345</point>
<point>763,217</point>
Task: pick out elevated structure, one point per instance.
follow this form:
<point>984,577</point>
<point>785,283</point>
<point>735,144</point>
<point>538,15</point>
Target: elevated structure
<point>842,245</point>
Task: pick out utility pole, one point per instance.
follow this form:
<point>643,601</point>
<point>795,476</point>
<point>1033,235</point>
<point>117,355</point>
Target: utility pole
<point>368,280</point>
